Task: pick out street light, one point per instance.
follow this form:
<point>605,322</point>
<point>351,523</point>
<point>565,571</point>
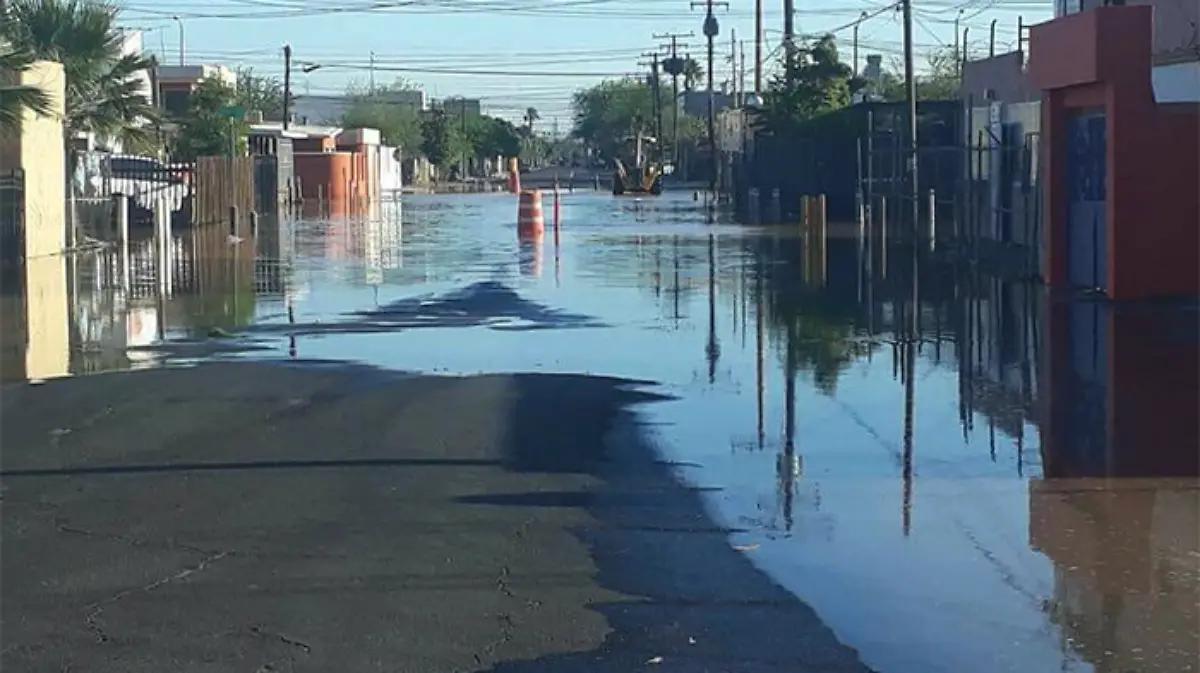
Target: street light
<point>182,41</point>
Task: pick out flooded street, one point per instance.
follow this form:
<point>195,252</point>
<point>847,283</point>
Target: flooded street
<point>1014,490</point>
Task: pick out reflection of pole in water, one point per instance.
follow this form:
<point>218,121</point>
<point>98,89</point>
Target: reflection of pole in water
<point>658,268</point>
<point>291,313</point>
<point>758,349</point>
<point>712,349</point>
<point>676,285</point>
<point>787,461</point>
<point>910,393</point>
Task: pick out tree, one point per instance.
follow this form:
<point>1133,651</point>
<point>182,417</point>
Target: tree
<point>398,123</point>
<point>813,82</point>
<point>531,115</point>
<point>203,130</point>
<point>439,142</point>
<point>16,98</point>
<point>260,94</point>
<point>692,73</point>
<point>939,82</point>
<point>104,95</point>
<point>492,136</point>
<point>608,113</point>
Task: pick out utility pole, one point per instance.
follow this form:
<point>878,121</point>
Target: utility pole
<point>733,69</point>
<point>656,92</point>
<point>674,67</point>
<point>711,30</point>
<point>789,34</point>
<point>742,70</point>
<point>910,86</point>
<point>758,45</point>
<point>861,17</point>
<point>287,84</point>
<point>372,71</point>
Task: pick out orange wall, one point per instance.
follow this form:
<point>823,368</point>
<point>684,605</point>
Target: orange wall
<point>331,176</point>
<point>1101,59</point>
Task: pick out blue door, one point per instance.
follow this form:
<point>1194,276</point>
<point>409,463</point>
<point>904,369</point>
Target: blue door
<point>1087,226</point>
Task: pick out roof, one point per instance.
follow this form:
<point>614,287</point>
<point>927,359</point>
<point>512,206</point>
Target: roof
<point>295,130</point>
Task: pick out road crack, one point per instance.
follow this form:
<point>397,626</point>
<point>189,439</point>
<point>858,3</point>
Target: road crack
<point>94,610</point>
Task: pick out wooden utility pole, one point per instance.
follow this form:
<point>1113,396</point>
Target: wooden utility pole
<point>674,67</point>
<point>656,92</point>
<point>733,68</point>
<point>287,84</point>
<point>758,46</point>
<point>711,30</point>
<point>910,86</point>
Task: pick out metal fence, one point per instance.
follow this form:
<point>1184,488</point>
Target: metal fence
<point>12,214</point>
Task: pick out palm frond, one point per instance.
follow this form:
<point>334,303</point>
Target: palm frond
<point>17,98</point>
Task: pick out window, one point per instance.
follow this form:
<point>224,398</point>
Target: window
<point>175,101</point>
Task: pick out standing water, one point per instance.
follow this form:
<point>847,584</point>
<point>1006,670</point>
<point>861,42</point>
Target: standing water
<point>891,449</point>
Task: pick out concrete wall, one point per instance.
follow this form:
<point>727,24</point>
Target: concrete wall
<point>38,149</point>
<point>1175,37</point>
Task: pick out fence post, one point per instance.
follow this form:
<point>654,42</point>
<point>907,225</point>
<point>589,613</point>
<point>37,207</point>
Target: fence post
<point>162,221</point>
<point>883,236</point>
<point>932,219</point>
<point>233,220</point>
<point>121,211</point>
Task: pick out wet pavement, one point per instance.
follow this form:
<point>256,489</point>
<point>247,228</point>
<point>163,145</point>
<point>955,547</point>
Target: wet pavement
<point>1015,489</point>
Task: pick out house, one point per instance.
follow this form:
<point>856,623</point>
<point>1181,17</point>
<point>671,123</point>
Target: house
<point>333,166</point>
<point>175,83</point>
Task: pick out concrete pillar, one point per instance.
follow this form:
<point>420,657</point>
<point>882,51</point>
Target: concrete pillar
<point>38,149</point>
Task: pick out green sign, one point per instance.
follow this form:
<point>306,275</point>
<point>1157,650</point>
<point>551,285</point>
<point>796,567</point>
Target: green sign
<point>233,112</point>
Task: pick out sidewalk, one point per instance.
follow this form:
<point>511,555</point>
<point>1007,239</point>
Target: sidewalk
<point>253,517</point>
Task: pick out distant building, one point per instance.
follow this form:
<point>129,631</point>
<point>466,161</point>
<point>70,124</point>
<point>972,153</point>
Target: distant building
<point>177,82</point>
<point>330,109</point>
<point>470,107</point>
<point>695,103</point>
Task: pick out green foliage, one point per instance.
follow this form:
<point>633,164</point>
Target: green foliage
<point>103,94</point>
<point>203,130</point>
<point>613,110</point>
<point>812,83</point>
<point>397,123</point>
<point>14,99</point>
<point>491,136</point>
<point>438,138</point>
<point>261,94</point>
<point>940,81</point>
<point>692,73</point>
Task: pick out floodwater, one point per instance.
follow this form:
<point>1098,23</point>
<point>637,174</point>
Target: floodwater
<point>995,480</point>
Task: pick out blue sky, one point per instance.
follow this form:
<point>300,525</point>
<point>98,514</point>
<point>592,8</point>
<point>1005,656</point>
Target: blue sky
<point>559,45</point>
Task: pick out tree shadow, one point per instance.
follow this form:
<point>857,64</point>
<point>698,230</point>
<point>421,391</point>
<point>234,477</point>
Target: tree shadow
<point>690,601</point>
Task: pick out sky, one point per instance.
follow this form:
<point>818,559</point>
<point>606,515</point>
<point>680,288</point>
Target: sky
<point>515,54</point>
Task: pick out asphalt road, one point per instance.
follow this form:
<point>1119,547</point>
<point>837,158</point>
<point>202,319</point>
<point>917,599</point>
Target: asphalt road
<point>255,517</point>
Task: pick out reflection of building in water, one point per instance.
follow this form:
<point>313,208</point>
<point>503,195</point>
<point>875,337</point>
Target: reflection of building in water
<point>35,322</point>
<point>999,328</point>
<point>1118,512</point>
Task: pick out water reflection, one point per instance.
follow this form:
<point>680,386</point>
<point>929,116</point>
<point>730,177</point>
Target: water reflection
<point>958,471</point>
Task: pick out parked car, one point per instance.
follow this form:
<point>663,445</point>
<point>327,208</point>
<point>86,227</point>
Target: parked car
<point>146,180</point>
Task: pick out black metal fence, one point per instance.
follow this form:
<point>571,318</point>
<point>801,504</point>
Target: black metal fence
<point>12,215</point>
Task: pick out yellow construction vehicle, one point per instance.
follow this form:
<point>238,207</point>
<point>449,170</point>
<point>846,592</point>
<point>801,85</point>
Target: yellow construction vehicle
<point>644,176</point>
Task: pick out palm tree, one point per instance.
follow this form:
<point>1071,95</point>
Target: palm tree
<point>103,94</point>
<point>692,73</point>
<point>531,115</point>
<point>15,98</point>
